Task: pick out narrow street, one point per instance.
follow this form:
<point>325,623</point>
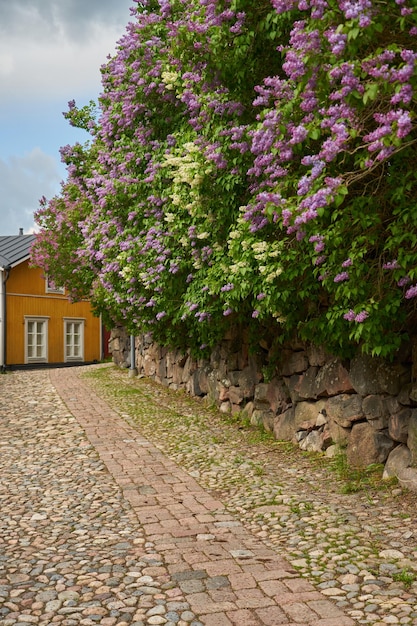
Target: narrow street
<point>99,526</point>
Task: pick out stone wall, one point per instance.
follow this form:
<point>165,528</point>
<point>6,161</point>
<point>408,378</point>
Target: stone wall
<point>367,405</point>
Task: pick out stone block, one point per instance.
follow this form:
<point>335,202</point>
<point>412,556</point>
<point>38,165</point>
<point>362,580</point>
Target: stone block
<point>373,376</point>
<point>376,411</point>
<point>162,368</point>
<point>213,386</point>
<point>223,392</point>
<point>313,442</point>
<point>265,419</point>
<point>392,377</point>
<point>236,395</point>
<point>399,458</point>
<point>413,392</point>
<point>177,374</point>
<point>306,413</point>
<point>245,379</point>
<point>404,395</point>
<point>292,384</point>
<point>345,409</point>
<point>398,425</point>
<point>225,407</point>
<point>408,478</point>
<point>256,417</point>
<point>306,385</point>
<point>317,356</point>
<point>367,446</point>
<point>278,396</point>
<point>338,434</point>
<point>248,409</point>
<point>261,395</point>
<point>202,375</point>
<point>284,426</point>
<point>215,358</point>
<point>293,362</point>
<point>333,379</point>
<point>190,367</point>
<point>193,385</point>
<point>149,366</point>
<point>268,421</point>
<point>412,437</point>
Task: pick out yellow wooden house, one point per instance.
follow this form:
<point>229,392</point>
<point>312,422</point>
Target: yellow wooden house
<point>38,323</point>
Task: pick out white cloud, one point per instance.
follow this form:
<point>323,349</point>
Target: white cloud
<point>23,181</point>
<point>44,70</point>
<point>51,52</point>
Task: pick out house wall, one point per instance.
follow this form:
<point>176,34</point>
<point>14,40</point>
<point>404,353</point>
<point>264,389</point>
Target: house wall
<point>26,296</point>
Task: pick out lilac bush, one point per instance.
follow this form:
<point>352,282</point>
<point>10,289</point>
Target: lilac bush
<point>249,163</point>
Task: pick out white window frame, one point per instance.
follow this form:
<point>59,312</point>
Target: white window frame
<point>43,358</point>
<point>74,358</point>
<point>51,288</point>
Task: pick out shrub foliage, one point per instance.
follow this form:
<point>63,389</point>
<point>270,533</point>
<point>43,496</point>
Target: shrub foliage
<point>248,162</point>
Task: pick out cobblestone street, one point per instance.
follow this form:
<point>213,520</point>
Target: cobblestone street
<point>100,526</point>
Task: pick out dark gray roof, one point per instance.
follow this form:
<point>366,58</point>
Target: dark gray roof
<point>14,249</point>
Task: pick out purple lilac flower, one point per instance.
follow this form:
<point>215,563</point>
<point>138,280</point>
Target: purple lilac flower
<point>360,317</point>
<point>227,312</point>
<point>350,315</point>
<point>255,313</point>
<point>227,287</point>
<point>391,265</point>
<point>405,280</point>
<point>340,278</point>
<point>411,292</point>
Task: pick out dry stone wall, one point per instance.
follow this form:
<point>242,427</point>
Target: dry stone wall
<point>366,406</point>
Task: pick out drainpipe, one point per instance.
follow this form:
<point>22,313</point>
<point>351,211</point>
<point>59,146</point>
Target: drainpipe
<point>133,371</point>
<point>5,271</point>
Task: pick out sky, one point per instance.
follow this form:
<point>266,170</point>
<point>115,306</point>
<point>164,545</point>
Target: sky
<point>51,52</point>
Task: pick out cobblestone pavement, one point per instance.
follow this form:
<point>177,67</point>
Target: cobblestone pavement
<point>98,525</point>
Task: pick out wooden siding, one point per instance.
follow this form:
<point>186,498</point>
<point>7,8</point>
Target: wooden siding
<point>26,297</point>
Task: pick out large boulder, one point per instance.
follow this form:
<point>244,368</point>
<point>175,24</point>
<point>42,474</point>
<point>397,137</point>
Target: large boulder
<point>367,446</point>
<point>315,441</point>
<point>332,379</point>
<point>273,396</point>
<point>398,425</point>
<point>285,426</point>
<point>345,409</point>
<point>306,413</point>
<point>408,478</point>
<point>372,376</point>
<point>306,384</point>
<point>397,461</point>
<point>376,411</point>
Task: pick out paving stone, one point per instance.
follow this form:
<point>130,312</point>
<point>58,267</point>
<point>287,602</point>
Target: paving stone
<point>104,527</point>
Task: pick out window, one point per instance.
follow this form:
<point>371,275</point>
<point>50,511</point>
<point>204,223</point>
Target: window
<point>51,288</point>
<point>74,340</point>
<point>36,340</point>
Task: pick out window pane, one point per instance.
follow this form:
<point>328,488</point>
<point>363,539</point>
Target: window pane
<point>36,340</point>
<point>74,340</point>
